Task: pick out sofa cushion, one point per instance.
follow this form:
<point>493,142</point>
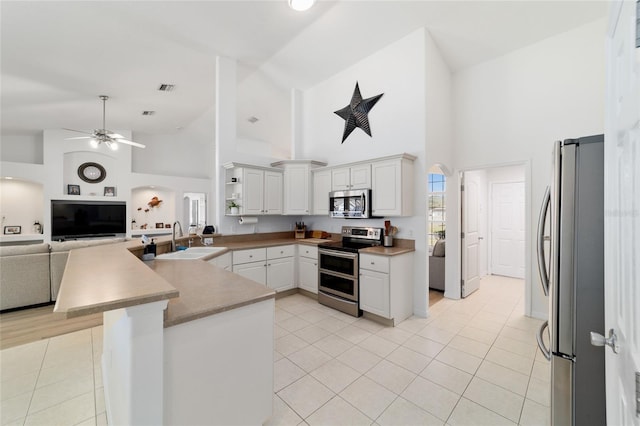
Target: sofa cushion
<point>439,249</point>
<point>24,280</point>
<point>24,249</point>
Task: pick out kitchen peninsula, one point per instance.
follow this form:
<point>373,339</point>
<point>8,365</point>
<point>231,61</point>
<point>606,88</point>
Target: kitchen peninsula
<point>185,342</point>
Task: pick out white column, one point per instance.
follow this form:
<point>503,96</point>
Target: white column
<point>132,364</point>
<point>296,123</point>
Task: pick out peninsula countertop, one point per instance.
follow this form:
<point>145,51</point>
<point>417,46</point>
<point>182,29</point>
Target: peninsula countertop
<point>112,276</point>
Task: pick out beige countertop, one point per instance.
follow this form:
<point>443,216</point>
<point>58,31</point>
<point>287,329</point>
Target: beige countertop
<point>107,277</point>
<point>387,251</point>
<point>205,289</point>
<point>103,278</point>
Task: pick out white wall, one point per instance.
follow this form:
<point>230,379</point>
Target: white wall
<point>414,80</point>
<point>511,109</point>
<point>187,152</point>
<point>258,96</point>
<point>21,148</point>
<point>60,164</point>
<point>27,210</point>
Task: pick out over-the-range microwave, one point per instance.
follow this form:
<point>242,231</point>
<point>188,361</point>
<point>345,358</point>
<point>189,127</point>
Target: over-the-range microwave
<point>352,204</point>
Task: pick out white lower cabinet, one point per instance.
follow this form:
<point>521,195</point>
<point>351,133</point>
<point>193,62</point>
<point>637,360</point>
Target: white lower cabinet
<point>280,273</point>
<point>223,261</point>
<point>273,266</point>
<point>308,268</point>
<point>255,271</point>
<point>252,264</point>
<point>374,292</point>
<point>386,285</point>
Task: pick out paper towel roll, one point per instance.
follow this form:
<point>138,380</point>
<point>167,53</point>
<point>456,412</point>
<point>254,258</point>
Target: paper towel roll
<point>247,220</point>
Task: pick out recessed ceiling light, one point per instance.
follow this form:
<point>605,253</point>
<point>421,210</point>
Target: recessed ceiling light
<point>164,87</point>
<point>301,5</point>
<point>253,119</point>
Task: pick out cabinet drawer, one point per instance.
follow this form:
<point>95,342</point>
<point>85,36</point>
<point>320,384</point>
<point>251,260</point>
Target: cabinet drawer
<point>250,255</point>
<point>374,263</point>
<point>281,251</point>
<point>308,251</point>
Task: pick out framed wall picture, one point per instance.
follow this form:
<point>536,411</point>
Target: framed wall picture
<point>73,189</point>
<point>109,191</point>
<point>12,230</point>
<point>159,225</point>
<point>167,225</point>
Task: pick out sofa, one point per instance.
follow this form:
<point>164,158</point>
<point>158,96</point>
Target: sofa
<point>31,274</point>
<point>24,275</point>
<point>436,266</point>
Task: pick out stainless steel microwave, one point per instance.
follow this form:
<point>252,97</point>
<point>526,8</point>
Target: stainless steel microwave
<point>353,204</point>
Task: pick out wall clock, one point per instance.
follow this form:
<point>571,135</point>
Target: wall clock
<point>92,172</point>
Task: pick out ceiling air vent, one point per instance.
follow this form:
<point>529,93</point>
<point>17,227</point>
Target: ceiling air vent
<point>148,112</point>
<point>166,87</point>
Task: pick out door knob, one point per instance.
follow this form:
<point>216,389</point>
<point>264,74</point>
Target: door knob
<point>598,339</point>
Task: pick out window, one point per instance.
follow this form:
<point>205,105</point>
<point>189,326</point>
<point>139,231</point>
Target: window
<point>437,208</point>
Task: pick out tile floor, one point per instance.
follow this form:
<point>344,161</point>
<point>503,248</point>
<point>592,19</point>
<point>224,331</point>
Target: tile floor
<point>472,362</point>
<point>56,381</point>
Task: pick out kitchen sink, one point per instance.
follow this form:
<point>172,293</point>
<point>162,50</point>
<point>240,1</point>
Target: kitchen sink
<point>191,253</point>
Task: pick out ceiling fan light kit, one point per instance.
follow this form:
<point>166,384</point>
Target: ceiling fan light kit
<point>301,5</point>
<point>103,135</point>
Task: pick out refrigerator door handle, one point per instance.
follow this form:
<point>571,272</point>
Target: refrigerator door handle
<point>545,351</point>
<point>542,264</point>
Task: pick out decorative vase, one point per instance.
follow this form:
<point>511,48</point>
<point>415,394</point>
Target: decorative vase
<point>234,210</point>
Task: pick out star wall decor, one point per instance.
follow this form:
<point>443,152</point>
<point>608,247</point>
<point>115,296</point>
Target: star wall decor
<point>356,113</point>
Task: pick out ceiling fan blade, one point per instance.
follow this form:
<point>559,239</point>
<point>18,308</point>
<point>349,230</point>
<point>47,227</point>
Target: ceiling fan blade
<point>132,143</point>
<point>79,137</point>
<point>77,131</point>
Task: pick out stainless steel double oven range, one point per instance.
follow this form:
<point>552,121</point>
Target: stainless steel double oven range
<point>338,270</point>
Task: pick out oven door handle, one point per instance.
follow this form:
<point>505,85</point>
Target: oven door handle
<point>336,253</point>
<point>339,299</point>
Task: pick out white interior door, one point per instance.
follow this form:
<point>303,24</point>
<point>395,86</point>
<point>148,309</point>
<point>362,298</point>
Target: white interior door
<point>622,216</point>
<point>470,233</point>
<point>507,229</point>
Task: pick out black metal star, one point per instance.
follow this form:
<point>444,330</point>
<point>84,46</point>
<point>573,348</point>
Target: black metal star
<point>355,114</point>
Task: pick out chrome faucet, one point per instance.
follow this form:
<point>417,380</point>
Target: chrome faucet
<point>173,235</point>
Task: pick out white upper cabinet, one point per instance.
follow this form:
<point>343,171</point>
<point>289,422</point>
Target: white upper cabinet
<point>272,192</point>
<point>258,191</point>
<point>253,192</point>
<point>297,185</point>
<point>353,177</point>
<point>296,189</point>
<point>321,190</point>
<point>392,186</point>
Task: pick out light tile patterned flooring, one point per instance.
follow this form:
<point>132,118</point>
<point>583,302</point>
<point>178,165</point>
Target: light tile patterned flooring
<point>56,381</point>
<point>472,362</point>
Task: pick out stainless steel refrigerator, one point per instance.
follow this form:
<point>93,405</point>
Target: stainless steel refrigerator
<point>574,280</point>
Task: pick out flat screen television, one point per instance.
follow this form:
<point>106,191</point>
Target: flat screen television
<point>87,219</point>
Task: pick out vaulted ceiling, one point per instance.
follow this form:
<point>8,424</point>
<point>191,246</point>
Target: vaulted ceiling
<point>57,57</point>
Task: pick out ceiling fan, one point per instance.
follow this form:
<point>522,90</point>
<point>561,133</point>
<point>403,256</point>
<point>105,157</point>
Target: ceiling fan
<point>103,135</point>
